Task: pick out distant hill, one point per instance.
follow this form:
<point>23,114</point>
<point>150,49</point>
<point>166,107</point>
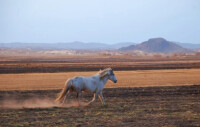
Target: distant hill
<point>71,45</point>
<point>188,45</point>
<point>157,45</point>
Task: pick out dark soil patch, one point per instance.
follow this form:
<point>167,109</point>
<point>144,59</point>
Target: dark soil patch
<point>149,106</point>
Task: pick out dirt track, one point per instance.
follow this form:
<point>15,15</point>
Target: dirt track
<point>147,106</point>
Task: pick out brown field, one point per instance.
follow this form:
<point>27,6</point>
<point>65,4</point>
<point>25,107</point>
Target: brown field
<point>28,100</point>
<point>153,92</point>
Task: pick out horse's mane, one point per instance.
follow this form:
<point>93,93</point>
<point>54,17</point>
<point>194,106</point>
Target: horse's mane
<point>103,73</point>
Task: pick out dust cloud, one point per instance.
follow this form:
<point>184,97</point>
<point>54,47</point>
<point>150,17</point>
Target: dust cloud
<point>36,103</point>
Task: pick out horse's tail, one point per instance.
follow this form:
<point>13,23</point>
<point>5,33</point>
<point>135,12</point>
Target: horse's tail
<point>64,91</point>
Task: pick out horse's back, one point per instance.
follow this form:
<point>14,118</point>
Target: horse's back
<point>85,83</point>
<point>78,80</point>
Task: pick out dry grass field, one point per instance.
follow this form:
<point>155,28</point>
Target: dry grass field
<point>140,78</point>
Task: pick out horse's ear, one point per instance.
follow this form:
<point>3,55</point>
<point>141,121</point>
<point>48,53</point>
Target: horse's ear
<point>111,72</point>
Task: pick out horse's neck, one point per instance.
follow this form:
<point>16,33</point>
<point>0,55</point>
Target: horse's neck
<point>104,80</point>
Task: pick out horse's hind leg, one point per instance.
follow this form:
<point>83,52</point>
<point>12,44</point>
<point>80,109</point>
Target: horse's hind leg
<point>65,97</point>
<point>64,100</point>
<point>78,96</point>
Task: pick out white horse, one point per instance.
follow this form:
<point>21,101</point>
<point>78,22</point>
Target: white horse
<point>93,84</point>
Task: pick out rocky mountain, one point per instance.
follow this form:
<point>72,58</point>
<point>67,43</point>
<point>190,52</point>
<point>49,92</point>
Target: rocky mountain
<point>157,45</point>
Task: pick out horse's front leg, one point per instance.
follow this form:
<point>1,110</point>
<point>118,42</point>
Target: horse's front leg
<point>101,98</point>
<point>94,98</point>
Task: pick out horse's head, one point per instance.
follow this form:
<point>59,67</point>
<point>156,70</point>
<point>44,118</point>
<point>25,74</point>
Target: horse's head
<point>109,72</point>
<point>111,76</point>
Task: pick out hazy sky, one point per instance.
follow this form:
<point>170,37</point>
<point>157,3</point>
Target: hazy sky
<point>106,21</point>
